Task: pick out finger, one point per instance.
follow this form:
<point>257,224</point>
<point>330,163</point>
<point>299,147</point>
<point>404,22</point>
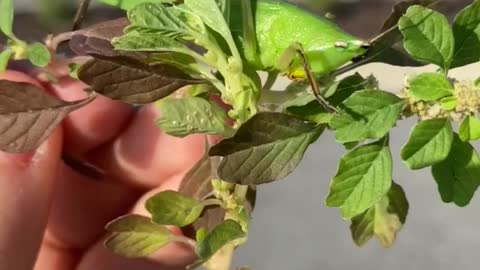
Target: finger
<point>26,190</point>
<point>94,124</point>
<point>82,207</point>
<point>90,205</point>
<point>52,257</point>
<point>173,256</point>
<point>144,156</point>
<point>25,195</point>
<point>17,76</point>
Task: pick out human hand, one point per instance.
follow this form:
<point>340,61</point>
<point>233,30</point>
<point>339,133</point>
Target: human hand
<point>53,217</point>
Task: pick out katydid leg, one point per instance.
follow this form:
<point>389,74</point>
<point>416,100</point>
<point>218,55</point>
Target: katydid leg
<point>287,58</point>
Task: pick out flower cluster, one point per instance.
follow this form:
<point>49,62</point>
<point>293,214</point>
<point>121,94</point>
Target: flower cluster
<point>465,101</point>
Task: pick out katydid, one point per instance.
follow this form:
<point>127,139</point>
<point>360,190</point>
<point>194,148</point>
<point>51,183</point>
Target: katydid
<point>265,35</point>
<point>290,40</point>
<point>280,25</point>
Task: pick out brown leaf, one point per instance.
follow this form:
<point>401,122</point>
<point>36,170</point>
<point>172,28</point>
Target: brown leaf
<point>97,38</point>
<point>132,81</point>
<point>28,115</point>
<point>197,184</point>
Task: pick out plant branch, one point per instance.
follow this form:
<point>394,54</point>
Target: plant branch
<point>53,42</point>
<point>222,260</point>
<point>81,13</point>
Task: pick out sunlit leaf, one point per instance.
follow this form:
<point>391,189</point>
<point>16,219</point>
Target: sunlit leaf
<point>429,143</point>
<point>38,54</point>
<point>430,86</point>
<point>370,113</point>
<point>4,58</point>
<point>364,176</point>
<point>6,17</point>
<point>427,36</point>
<point>469,128</point>
<point>466,30</point>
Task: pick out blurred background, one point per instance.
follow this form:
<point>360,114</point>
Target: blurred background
<point>360,17</point>
<point>291,227</point>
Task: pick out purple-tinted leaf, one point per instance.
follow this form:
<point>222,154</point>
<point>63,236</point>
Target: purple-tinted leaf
<point>28,115</point>
<point>97,39</point>
<point>132,81</point>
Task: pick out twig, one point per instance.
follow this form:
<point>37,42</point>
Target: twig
<point>81,13</point>
<point>53,42</point>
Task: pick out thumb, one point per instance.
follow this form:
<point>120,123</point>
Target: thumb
<point>26,189</point>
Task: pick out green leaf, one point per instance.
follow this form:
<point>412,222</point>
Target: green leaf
<point>364,176</point>
<point>466,30</point>
<point>220,236</point>
<point>6,17</point>
<point>38,54</point>
<point>129,4</point>
<point>458,176</point>
<point>266,148</point>
<point>170,22</point>
<point>212,16</point>
<point>182,61</point>
<point>4,59</point>
<point>383,220</point>
<point>136,236</point>
<point>73,69</point>
<point>469,129</point>
<point>242,25</point>
<point>371,114</point>
<point>312,112</point>
<point>449,103</point>
<point>427,36</point>
<point>429,143</point>
<point>225,7</point>
<point>304,105</point>
<point>172,208</point>
<point>200,234</point>
<point>182,117</point>
<point>430,86</point>
<point>350,145</point>
<point>159,29</point>
<point>346,87</point>
<point>148,42</point>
